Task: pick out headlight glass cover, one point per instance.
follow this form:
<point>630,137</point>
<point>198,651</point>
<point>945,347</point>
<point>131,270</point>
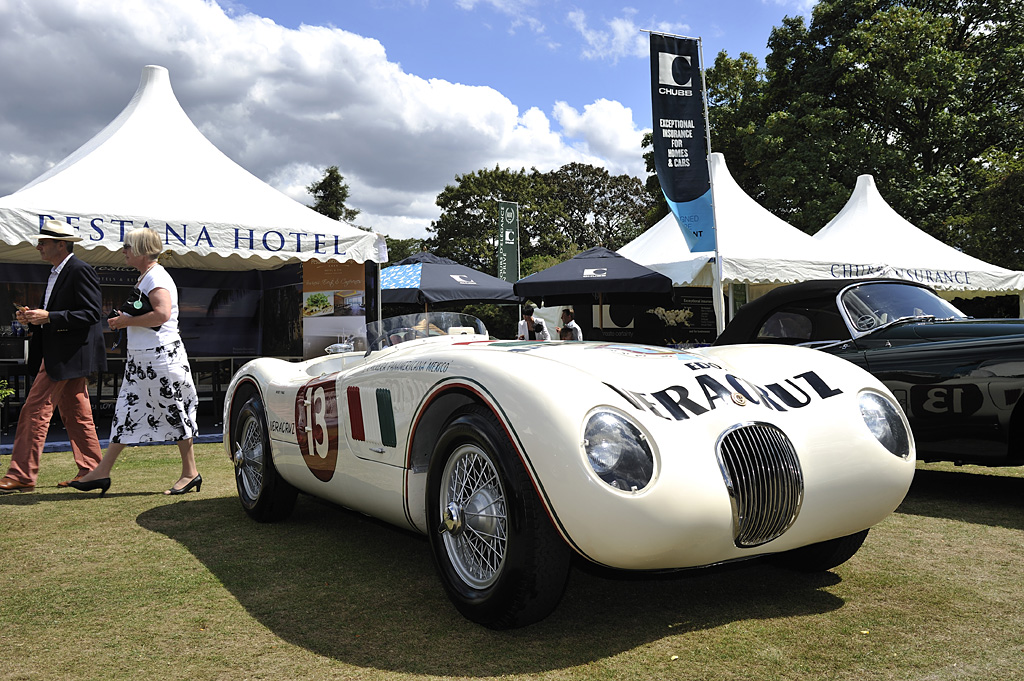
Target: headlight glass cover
<point>884,420</point>
<point>618,451</point>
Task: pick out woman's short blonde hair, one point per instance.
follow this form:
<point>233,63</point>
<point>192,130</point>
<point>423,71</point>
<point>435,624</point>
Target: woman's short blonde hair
<point>144,241</point>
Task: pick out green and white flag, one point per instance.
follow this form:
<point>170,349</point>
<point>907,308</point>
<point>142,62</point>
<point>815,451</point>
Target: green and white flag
<point>508,241</point>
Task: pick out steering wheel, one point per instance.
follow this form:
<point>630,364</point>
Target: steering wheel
<point>866,322</point>
<point>403,334</point>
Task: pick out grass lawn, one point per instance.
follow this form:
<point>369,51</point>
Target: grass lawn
<point>138,585</point>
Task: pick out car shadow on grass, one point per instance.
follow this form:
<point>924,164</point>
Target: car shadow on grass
<point>968,495</point>
<point>365,593</point>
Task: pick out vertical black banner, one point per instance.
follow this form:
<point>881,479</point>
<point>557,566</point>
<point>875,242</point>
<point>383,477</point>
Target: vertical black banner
<point>680,149</point>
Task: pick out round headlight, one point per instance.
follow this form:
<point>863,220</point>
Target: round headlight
<point>618,451</point>
<point>884,420</point>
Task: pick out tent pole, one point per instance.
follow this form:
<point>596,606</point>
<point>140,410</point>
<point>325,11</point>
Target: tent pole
<point>718,298</point>
<point>376,293</point>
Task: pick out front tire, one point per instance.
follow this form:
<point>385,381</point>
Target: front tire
<point>822,556</point>
<point>264,494</point>
<point>500,559</point>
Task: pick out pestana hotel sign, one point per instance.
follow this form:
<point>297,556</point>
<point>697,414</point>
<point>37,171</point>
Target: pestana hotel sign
<point>217,237</point>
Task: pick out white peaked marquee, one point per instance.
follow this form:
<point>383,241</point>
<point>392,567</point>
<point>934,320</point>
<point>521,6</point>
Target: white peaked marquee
<point>663,249</point>
<point>754,245</point>
<point>868,228</point>
<point>152,167</point>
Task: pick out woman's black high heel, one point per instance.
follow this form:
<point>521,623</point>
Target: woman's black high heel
<point>102,484</point>
<point>196,482</point>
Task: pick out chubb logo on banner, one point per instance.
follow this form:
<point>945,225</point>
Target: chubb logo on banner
<point>510,236</point>
<point>591,272</point>
<point>668,65</point>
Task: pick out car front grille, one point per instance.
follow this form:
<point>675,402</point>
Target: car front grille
<point>762,473</point>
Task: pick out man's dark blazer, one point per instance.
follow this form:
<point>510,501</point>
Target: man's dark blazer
<point>72,342</point>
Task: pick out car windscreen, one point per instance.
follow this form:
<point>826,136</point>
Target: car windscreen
<point>396,330</point>
<point>872,305</point>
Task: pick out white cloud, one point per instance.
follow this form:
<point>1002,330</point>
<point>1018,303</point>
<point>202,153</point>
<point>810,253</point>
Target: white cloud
<point>283,103</point>
<point>606,131</point>
<point>521,12</point>
<point>803,7</point>
<point>620,37</point>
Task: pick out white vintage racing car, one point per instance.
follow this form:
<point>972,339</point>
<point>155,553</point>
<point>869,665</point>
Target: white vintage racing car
<point>511,456</point>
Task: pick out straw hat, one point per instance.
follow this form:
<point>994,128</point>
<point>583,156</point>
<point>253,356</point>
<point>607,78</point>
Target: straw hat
<point>57,230</point>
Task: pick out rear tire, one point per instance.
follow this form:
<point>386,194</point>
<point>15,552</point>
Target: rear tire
<point>822,556</point>
<point>264,494</point>
<point>500,559</point>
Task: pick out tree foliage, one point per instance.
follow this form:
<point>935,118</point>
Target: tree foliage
<point>560,213</point>
<point>659,207</point>
<point>991,225</point>
<point>400,249</point>
<point>331,193</point>
<point>914,92</point>
<point>599,209</point>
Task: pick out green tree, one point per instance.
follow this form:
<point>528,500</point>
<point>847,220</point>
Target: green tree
<point>599,209</point>
<point>331,193</point>
<point>399,249</point>
<point>467,229</point>
<point>560,213</point>
<point>659,206</point>
<point>734,89</point>
<point>910,91</point>
<point>991,223</point>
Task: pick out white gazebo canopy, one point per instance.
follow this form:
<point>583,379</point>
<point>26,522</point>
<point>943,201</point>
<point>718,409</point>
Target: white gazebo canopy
<point>754,245</point>
<point>152,167</point>
<point>868,228</point>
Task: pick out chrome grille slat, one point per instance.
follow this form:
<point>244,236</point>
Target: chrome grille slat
<point>763,476</point>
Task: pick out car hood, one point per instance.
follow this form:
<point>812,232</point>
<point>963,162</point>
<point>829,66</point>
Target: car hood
<point>959,329</point>
<point>590,354</point>
<point>645,366</point>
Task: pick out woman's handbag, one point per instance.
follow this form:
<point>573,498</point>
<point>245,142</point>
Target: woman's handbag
<point>136,304</point>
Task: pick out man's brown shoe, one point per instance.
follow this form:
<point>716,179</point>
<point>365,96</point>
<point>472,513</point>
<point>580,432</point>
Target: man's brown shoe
<point>12,485</point>
<point>67,483</point>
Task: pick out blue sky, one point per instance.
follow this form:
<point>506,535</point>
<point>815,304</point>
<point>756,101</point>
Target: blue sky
<point>536,52</point>
<point>402,95</point>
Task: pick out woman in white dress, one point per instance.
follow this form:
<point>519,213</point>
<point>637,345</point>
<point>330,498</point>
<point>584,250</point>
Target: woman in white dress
<point>157,401</point>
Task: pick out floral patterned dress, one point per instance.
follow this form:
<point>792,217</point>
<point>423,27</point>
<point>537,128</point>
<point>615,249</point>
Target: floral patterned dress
<point>158,399</point>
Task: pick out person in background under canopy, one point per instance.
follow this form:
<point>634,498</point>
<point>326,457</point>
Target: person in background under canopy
<point>569,322</point>
<point>532,328</point>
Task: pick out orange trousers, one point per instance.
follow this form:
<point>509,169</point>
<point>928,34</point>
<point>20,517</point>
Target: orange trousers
<point>71,399</point>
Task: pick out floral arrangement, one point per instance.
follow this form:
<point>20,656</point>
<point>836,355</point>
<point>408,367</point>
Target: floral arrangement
<point>673,317</point>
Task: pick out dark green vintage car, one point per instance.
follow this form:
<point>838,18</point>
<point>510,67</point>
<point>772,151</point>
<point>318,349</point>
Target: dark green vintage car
<point>958,379</point>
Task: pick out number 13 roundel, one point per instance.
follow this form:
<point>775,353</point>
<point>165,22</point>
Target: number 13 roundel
<point>316,418</point>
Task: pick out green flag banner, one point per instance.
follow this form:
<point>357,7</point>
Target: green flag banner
<point>508,241</point>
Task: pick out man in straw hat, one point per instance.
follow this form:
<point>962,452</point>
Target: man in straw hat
<point>66,346</point>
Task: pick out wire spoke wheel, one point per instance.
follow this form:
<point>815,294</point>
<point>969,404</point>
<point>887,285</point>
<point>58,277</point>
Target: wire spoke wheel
<point>264,494</point>
<point>473,501</point>
<point>501,560</point>
<point>248,458</point>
